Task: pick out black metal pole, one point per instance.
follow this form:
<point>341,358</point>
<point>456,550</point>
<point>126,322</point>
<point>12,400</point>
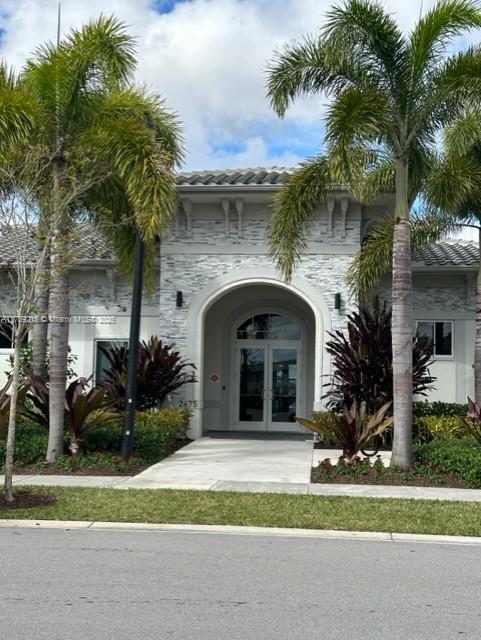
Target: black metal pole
<point>131,391</point>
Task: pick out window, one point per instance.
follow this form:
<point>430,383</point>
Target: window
<point>101,361</point>
<point>269,326</point>
<point>6,335</point>
<point>440,332</point>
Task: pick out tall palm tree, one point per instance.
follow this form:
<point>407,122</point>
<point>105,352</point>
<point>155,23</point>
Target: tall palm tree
<point>95,128</point>
<point>451,200</point>
<point>391,93</point>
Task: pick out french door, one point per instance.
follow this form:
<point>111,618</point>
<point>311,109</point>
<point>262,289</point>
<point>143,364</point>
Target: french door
<point>267,384</point>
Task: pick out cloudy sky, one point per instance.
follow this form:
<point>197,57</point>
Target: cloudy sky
<point>208,59</point>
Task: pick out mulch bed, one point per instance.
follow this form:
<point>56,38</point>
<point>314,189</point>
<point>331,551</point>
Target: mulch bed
<point>391,478</point>
<point>28,500</point>
<point>52,470</point>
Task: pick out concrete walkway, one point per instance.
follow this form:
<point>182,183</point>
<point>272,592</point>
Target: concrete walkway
<point>253,465</point>
<point>224,463</point>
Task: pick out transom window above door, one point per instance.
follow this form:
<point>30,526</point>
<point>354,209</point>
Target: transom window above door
<point>269,326</point>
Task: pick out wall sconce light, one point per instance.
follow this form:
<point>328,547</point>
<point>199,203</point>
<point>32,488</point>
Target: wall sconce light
<point>337,301</point>
<point>179,298</point>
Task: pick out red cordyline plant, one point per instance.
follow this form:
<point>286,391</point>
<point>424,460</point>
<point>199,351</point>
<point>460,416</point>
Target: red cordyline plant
<point>472,423</point>
<point>352,430</point>
<point>81,404</point>
<point>160,371</point>
<point>362,360</point>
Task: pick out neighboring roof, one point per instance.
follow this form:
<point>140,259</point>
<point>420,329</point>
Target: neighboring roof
<point>456,253</point>
<point>243,177</point>
<point>88,243</point>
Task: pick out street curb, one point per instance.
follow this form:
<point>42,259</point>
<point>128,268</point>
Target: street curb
<point>378,536</point>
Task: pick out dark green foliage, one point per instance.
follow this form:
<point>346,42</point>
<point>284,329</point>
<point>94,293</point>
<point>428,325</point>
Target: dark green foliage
<point>376,472</point>
<point>362,360</point>
<point>161,371</point>
<point>98,461</point>
<point>437,408</point>
<point>30,443</point>
<point>460,457</point>
<point>155,434</point>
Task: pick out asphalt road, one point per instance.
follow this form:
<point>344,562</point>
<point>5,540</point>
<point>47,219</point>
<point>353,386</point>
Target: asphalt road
<point>138,585</point>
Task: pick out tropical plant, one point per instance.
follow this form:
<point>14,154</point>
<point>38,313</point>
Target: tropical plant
<point>362,360</point>
<point>391,94</point>
<point>352,430</point>
<point>472,422</point>
<point>160,372</point>
<point>80,405</point>
<point>108,148</point>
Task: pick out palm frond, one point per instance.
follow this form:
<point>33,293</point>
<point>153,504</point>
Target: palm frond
<point>364,31</point>
<point>17,109</point>
<point>293,210</point>
<point>464,133</point>
<point>432,34</point>
<point>358,114</point>
<point>296,70</point>
<point>374,260</point>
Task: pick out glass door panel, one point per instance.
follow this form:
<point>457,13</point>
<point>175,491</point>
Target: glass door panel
<point>283,393</point>
<point>252,386</point>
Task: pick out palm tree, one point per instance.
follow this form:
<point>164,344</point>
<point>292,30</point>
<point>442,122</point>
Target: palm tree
<point>96,131</point>
<point>391,94</point>
<point>451,200</point>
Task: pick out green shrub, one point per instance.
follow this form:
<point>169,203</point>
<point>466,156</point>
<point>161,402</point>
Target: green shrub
<point>155,434</point>
<point>425,408</point>
<point>30,444</point>
<point>460,457</point>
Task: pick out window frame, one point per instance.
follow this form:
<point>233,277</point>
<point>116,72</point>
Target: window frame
<point>96,341</point>
<point>435,355</point>
<point>9,351</point>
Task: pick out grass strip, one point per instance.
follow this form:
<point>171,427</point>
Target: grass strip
<point>271,510</point>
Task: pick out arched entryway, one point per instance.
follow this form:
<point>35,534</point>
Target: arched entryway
<point>258,343</point>
<point>258,360</point>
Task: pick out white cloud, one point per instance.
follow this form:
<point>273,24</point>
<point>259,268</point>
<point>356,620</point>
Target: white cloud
<point>207,58</point>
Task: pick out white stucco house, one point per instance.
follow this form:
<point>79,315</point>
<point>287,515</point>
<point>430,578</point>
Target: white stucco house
<point>258,342</point>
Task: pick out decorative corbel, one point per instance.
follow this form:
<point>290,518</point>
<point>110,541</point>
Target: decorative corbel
<point>344,210</point>
<point>187,207</point>
<point>226,209</point>
<point>331,203</point>
<point>239,205</point>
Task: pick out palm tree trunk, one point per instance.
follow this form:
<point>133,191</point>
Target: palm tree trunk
<point>477,340</point>
<point>12,419</point>
<point>59,320</point>
<point>402,330</point>
<point>40,329</point>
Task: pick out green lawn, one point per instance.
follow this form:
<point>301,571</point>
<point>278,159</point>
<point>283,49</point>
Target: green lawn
<point>274,510</point>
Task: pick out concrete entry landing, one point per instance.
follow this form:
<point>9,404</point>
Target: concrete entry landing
<point>217,462</point>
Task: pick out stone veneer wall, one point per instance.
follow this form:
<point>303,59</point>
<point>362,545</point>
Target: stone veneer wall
<point>190,272</point>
